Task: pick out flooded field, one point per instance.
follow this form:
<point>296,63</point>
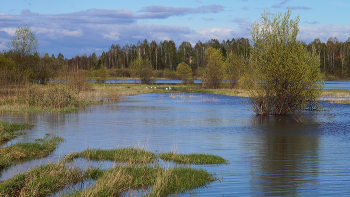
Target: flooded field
<point>268,156</point>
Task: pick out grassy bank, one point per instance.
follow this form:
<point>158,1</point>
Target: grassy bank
<point>8,130</point>
<point>26,151</point>
<point>41,181</point>
<point>62,98</point>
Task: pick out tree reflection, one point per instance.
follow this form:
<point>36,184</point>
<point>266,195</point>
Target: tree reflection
<point>283,156</point>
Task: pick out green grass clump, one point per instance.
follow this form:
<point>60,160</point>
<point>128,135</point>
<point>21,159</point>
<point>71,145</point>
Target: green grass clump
<point>127,155</point>
<point>8,130</point>
<point>41,181</point>
<point>164,181</point>
<point>193,158</point>
<point>26,151</point>
<point>179,180</point>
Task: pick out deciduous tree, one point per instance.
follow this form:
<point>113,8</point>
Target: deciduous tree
<point>284,78</point>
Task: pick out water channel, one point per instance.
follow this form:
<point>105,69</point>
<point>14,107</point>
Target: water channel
<point>268,156</point>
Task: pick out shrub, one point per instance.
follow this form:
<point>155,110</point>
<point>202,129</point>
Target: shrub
<point>283,78</point>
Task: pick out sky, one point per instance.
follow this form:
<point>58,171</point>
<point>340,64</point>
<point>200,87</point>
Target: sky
<point>78,27</point>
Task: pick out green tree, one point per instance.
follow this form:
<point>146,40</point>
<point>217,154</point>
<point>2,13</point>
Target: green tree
<point>234,68</point>
<point>102,73</point>
<point>184,71</point>
<point>142,68</point>
<point>284,78</point>
<point>24,42</point>
<point>213,72</point>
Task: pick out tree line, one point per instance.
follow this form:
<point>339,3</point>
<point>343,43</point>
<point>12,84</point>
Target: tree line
<point>20,64</point>
<point>334,55</point>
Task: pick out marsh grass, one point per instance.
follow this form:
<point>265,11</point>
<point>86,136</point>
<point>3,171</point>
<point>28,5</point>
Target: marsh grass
<point>8,130</point>
<point>160,181</point>
<point>41,181</point>
<point>25,151</point>
<point>127,155</point>
<point>193,158</point>
<point>179,180</point>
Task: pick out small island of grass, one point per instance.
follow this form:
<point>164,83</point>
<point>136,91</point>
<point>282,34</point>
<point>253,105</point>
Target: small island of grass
<point>193,158</point>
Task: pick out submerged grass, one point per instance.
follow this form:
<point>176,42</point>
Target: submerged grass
<point>22,151</point>
<point>8,130</point>
<point>193,158</point>
<point>41,181</point>
<point>127,155</point>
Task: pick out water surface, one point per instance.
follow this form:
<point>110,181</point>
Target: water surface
<point>269,156</point>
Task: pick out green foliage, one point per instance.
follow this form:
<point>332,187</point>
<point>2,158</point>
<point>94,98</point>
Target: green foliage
<point>193,158</point>
<point>102,74</point>
<point>234,68</point>
<point>283,77</point>
<point>213,72</point>
<point>24,42</point>
<point>142,68</point>
<point>184,71</point>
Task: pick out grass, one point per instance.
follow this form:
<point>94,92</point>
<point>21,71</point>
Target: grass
<point>120,179</point>
<point>193,158</point>
<point>127,155</point>
<point>26,151</point>
<point>153,180</point>
<point>41,181</point>
<point>8,130</point>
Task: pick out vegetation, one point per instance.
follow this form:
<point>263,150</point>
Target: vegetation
<point>213,74</point>
<point>127,155</point>
<point>25,151</point>
<point>42,181</point>
<point>154,180</point>
<point>193,158</point>
<point>8,130</point>
<point>184,71</point>
<point>283,78</point>
<point>118,180</point>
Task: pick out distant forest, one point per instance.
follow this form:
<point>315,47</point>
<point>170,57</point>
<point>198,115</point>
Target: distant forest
<point>334,55</point>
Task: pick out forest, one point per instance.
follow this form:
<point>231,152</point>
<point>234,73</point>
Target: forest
<point>152,60</point>
<point>165,55</point>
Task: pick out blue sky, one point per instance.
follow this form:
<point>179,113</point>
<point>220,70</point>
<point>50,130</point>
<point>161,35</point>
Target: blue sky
<point>77,27</point>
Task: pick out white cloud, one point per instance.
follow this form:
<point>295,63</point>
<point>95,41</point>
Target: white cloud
<point>309,33</point>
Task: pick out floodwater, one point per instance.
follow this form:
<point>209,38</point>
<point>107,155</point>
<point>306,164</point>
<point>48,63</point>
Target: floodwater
<point>268,156</point>
<point>328,84</point>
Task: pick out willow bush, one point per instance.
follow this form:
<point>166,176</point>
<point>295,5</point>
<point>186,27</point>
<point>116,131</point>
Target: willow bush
<point>283,77</point>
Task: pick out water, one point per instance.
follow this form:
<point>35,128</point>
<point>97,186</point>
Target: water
<point>269,156</point>
<point>328,84</point>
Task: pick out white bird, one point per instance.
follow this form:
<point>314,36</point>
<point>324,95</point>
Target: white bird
<point>151,87</point>
<point>155,87</point>
<point>169,88</point>
<point>166,88</point>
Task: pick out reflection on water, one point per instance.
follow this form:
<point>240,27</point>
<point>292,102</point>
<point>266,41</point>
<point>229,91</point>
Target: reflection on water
<point>285,157</point>
<point>269,156</point>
